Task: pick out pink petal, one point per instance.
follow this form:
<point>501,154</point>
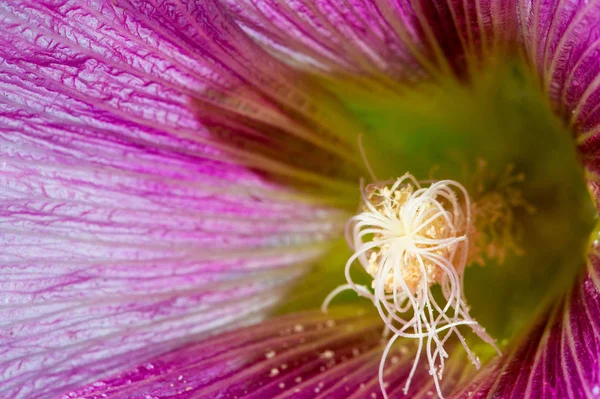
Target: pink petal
<point>130,222</point>
<point>403,39</point>
<point>304,355</point>
<point>562,40</point>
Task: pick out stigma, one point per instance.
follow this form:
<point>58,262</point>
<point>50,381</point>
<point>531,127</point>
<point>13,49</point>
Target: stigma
<point>421,229</point>
<point>410,236</point>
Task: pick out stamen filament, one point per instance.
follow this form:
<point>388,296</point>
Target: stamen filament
<point>409,237</point>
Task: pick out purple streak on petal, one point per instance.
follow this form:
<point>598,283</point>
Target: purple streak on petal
<point>563,39</point>
<point>559,358</point>
<point>578,59</point>
<point>343,35</point>
<point>304,355</point>
<point>127,225</point>
<point>357,36</point>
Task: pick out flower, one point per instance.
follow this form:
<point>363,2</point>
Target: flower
<point>172,169</point>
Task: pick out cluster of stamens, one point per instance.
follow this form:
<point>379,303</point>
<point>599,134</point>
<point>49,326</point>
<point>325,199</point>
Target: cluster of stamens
<point>390,204</point>
<point>409,236</point>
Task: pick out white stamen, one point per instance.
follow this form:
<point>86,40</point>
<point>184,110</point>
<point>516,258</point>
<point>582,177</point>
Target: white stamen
<point>410,237</point>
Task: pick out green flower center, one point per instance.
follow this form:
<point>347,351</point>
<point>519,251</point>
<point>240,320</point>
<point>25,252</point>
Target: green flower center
<point>482,132</point>
<point>502,119</point>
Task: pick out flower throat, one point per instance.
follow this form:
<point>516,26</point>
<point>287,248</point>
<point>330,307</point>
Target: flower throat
<point>502,187</point>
